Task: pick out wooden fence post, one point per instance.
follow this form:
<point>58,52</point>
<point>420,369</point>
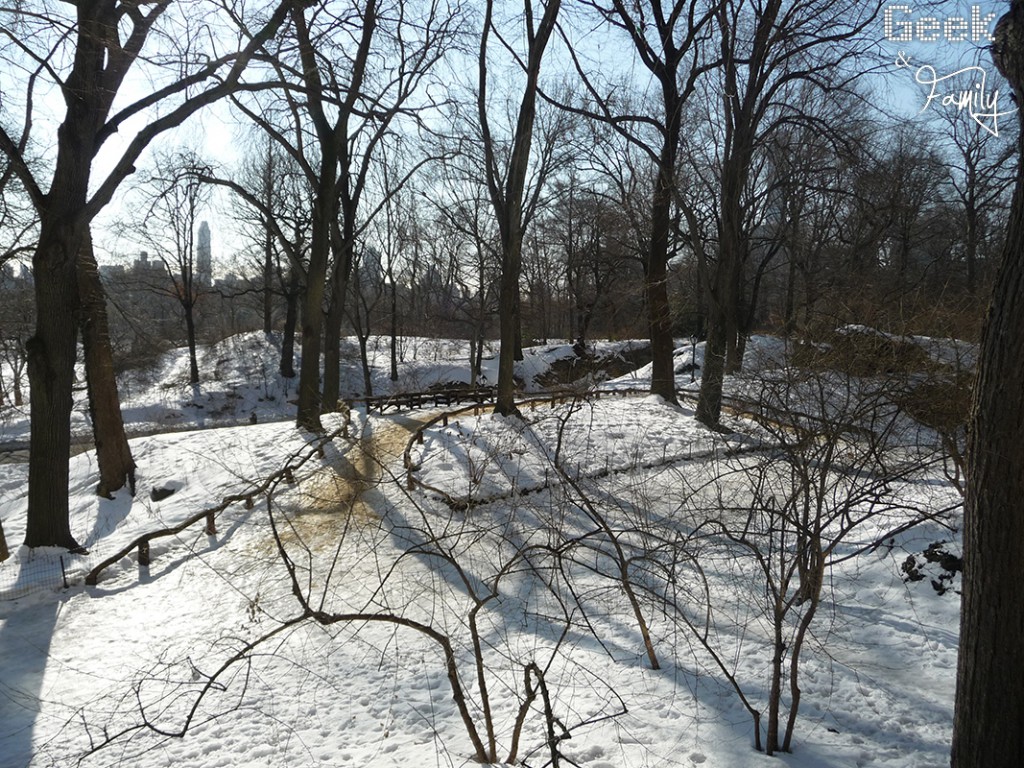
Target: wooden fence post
<point>144,552</point>
<point>4,552</point>
<point>211,525</point>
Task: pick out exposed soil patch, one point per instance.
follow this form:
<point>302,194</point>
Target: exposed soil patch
<point>326,502</point>
<point>588,366</point>
<point>863,352</point>
<point>936,563</point>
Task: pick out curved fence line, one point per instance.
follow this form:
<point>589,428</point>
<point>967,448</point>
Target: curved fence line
<point>481,399</point>
<point>209,515</point>
<point>552,399</point>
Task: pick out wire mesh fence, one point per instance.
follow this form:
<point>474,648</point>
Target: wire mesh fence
<point>46,569</point>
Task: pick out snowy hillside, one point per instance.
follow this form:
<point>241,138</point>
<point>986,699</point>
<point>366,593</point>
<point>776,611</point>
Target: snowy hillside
<point>582,579</point>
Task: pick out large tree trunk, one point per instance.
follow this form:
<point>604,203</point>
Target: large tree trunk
<point>720,326</point>
<point>308,415</point>
<point>51,352</point>
<point>325,211</point>
<point>733,246</point>
<point>332,344</point>
<point>712,377</point>
<point>113,455</point>
<point>508,324</point>
<point>723,289</point>
<point>100,58</point>
<point>190,333</point>
<point>335,316</point>
<point>51,372</point>
<point>332,192</point>
<point>663,377</point>
<point>291,318</point>
<point>508,202</point>
<point>987,730</point>
<point>268,279</point>
<point>733,344</point>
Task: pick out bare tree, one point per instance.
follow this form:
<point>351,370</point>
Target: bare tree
<point>332,120</point>
<point>113,454</point>
<point>507,177</point>
<point>397,230</point>
<point>176,197</point>
<point>265,178</point>
<point>667,35</point>
<point>827,494</point>
<point>990,672</point>
<point>367,287</point>
<point>766,52</point>
<point>602,271</point>
<point>382,104</point>
<point>87,51</point>
<point>18,223</point>
<point>271,190</point>
<point>509,701</point>
<point>981,167</point>
<point>464,275</point>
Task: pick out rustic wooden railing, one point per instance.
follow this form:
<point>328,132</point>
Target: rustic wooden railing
<point>436,398</point>
<point>481,398</point>
<point>296,462</point>
<point>551,399</point>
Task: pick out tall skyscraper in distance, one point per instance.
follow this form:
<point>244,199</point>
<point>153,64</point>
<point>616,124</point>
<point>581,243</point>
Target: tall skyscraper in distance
<point>204,258</point>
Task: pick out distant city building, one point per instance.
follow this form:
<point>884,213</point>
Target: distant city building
<point>112,271</point>
<point>204,256</point>
<point>14,274</point>
<point>144,265</point>
<point>371,271</point>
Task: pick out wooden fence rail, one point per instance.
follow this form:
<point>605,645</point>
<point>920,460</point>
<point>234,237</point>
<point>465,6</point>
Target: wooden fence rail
<point>480,398</point>
<point>296,462</point>
<point>436,398</point>
<point>553,399</point>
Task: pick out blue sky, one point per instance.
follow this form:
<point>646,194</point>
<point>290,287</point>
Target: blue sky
<point>939,51</point>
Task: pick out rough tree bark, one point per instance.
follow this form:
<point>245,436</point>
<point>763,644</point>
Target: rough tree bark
<point>343,234</point>
<point>291,317</point>
<point>51,368</point>
<point>113,455</point>
<point>63,225</point>
<point>507,198</point>
<point>101,61</point>
<point>325,210</point>
<point>987,730</point>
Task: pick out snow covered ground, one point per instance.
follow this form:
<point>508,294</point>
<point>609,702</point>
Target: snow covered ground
<point>493,553</point>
